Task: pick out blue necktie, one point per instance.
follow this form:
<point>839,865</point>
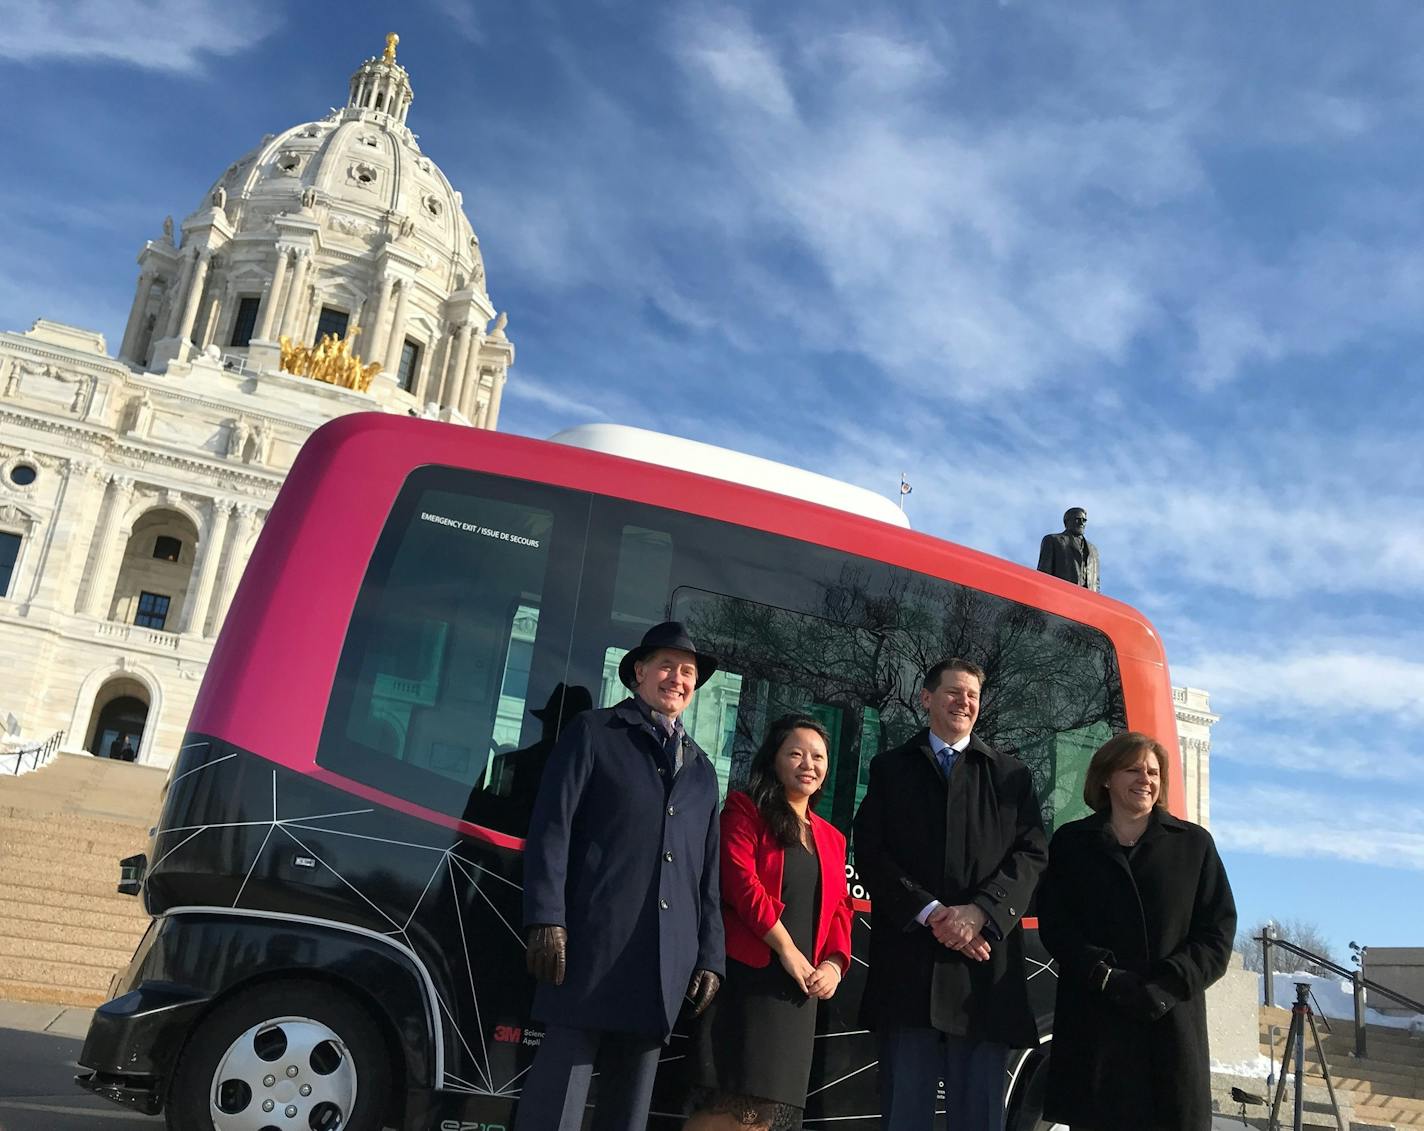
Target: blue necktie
<point>945,758</point>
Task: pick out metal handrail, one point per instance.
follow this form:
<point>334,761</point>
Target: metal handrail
<point>38,755</point>
<point>1356,977</point>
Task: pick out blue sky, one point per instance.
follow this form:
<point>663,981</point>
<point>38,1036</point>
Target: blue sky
<point>1162,261</point>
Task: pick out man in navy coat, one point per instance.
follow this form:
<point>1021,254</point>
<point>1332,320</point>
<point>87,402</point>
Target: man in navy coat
<point>621,900</point>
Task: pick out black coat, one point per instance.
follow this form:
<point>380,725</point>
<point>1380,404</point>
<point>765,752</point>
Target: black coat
<point>976,839</point>
<point>1073,561</point>
<point>629,866</point>
<point>1169,917</point>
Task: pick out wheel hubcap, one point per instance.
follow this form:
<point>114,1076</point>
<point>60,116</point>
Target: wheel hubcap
<point>286,1074</point>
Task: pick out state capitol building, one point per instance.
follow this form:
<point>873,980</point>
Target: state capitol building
<point>330,270</point>
<point>133,487</point>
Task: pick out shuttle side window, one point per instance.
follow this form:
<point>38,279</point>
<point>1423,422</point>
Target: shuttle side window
<point>455,646</point>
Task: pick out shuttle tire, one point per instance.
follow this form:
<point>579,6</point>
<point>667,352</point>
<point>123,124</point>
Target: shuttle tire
<point>282,1054</point>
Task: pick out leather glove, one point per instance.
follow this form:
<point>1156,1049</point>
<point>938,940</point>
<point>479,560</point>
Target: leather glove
<point>1159,1002</point>
<point>702,989</point>
<point>545,953</point>
<point>1131,995</point>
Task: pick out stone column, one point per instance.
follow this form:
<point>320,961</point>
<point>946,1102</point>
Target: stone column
<point>371,337</point>
<point>200,590</point>
<point>449,392</point>
<point>233,567</point>
<point>295,294</point>
<point>208,323</point>
<point>363,318</point>
<point>73,519</point>
<point>274,298</point>
<point>195,294</point>
<point>470,382</point>
<point>397,338</point>
<point>478,400</point>
<point>178,296</point>
<point>135,322</point>
<point>101,578</point>
<point>490,417</point>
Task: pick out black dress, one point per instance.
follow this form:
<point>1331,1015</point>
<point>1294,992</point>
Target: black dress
<point>752,1052</point>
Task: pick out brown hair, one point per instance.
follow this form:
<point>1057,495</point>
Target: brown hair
<point>1117,753</point>
<point>765,788</point>
<point>953,664</point>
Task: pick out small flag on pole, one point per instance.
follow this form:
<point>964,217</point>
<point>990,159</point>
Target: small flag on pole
<point>905,489</point>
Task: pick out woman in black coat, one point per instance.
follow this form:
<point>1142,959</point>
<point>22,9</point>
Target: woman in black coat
<point>1136,908</point>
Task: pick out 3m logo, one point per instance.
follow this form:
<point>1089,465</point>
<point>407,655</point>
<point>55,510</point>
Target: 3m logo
<point>508,1034</point>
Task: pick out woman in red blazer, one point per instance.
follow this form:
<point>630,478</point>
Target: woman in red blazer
<point>787,916</point>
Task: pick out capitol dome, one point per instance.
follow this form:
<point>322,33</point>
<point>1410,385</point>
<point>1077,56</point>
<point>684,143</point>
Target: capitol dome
<point>334,226</point>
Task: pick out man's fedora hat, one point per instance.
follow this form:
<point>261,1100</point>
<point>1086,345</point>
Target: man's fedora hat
<point>669,634</point>
<point>564,703</point>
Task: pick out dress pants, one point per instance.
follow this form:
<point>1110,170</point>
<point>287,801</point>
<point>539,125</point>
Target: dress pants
<point>912,1062</point>
<point>555,1090</point>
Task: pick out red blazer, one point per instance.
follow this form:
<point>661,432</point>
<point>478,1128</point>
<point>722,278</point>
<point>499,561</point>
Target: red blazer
<point>752,862</point>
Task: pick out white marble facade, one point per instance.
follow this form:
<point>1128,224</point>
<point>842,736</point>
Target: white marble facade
<point>133,488</point>
<point>1194,723</point>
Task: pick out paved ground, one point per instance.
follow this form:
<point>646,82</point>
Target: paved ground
<point>38,1048</point>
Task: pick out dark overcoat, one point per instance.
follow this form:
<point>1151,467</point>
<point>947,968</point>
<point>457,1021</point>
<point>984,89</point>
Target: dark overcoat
<point>1073,561</point>
<point>977,838</point>
<point>1168,916</point>
<point>624,855</point>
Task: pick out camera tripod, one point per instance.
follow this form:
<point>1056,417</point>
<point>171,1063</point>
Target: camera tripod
<point>1301,1016</point>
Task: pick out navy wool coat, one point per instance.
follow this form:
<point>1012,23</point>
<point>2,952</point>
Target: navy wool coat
<point>977,838</point>
<point>624,855</point>
<point>1167,916</point>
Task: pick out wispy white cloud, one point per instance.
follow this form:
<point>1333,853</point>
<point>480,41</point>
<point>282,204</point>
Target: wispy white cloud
<point>1287,822</point>
<point>964,256</point>
<point>1329,680</point>
<point>465,17</point>
<point>739,63</point>
<point>158,35</point>
<point>1263,516</point>
<point>1330,291</point>
<point>1349,760</point>
<point>564,404</point>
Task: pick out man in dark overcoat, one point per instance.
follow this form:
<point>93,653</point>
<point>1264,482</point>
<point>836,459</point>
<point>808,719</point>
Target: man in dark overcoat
<point>950,842</point>
<point>1069,555</point>
<point>1167,917</point>
<point>621,899</point>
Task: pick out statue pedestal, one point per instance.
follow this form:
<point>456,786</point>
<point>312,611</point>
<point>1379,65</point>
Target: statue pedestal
<point>166,351</point>
<point>264,356</point>
<point>383,386</point>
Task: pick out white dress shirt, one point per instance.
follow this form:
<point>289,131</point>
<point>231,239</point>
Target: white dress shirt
<point>938,744</point>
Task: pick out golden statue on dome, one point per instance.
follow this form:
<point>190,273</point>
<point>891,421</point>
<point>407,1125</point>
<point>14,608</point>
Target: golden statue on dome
<point>390,53</point>
<point>331,361</point>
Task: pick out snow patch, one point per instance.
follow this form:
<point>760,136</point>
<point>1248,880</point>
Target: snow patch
<point>1257,1068</point>
<point>1335,998</point>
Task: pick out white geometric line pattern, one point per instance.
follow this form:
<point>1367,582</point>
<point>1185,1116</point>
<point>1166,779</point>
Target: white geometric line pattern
<point>457,868</point>
<point>312,853</point>
<point>470,970</point>
<point>256,857</point>
<point>847,1076</point>
<point>1041,967</point>
<point>465,865</point>
<point>435,871</point>
<point>204,766</point>
<point>447,858</point>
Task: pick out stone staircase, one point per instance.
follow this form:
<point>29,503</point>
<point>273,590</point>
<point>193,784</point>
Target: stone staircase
<point>1384,1090</point>
<point>64,930</point>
